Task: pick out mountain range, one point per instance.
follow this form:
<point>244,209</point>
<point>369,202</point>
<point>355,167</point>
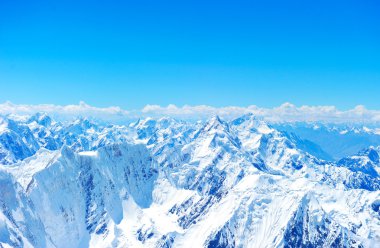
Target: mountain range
<point>174,183</point>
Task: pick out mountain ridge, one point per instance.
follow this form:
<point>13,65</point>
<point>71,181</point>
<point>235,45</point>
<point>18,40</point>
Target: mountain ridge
<point>169,183</point>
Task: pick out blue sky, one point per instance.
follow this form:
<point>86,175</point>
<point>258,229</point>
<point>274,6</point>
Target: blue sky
<point>219,53</point>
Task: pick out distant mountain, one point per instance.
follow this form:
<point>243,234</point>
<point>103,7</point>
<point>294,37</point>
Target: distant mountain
<point>171,183</point>
<point>334,141</point>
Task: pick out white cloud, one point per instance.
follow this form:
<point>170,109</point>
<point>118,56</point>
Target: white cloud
<point>63,111</point>
<point>286,112</point>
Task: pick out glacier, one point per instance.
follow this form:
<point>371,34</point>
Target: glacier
<point>163,182</point>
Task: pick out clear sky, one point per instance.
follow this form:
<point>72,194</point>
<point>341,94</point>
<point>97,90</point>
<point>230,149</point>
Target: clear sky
<point>220,53</point>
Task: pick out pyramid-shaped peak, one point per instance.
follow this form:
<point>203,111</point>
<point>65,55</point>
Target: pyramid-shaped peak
<point>215,122</point>
<point>216,126</point>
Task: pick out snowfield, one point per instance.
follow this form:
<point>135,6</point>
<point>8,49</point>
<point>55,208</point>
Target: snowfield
<point>172,183</point>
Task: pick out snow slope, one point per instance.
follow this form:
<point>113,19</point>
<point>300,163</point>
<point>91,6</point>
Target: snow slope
<point>170,183</point>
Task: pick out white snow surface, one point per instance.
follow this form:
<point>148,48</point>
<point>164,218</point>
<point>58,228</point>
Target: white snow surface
<point>170,183</point>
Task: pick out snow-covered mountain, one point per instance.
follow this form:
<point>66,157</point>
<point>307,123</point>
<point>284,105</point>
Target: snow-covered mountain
<point>333,141</point>
<point>22,139</point>
<point>172,183</point>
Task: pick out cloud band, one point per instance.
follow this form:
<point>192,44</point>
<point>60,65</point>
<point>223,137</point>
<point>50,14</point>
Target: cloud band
<point>286,112</point>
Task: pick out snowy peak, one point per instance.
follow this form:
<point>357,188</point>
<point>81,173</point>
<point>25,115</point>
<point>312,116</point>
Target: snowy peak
<point>250,131</point>
<point>366,161</point>
<point>276,149</point>
<point>17,142</point>
<point>215,123</point>
<point>312,227</point>
<point>42,119</point>
<point>217,132</point>
<point>250,123</point>
<point>373,154</point>
<point>81,126</point>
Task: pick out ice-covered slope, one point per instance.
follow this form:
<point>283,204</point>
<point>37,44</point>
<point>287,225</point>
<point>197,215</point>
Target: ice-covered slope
<point>74,197</point>
<point>170,183</point>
